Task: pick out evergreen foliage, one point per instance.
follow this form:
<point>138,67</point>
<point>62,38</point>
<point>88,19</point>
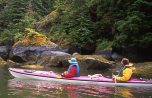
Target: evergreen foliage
<point>20,14</point>
<point>81,23</point>
<point>135,29</point>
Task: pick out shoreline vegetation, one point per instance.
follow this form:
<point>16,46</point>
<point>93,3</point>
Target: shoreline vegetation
<point>31,30</point>
<point>123,27</point>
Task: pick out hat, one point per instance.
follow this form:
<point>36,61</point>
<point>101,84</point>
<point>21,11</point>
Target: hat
<point>73,61</point>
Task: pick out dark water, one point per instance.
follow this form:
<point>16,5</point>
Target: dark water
<point>11,87</point>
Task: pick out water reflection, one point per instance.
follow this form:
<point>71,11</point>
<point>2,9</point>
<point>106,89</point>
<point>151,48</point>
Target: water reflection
<point>35,88</point>
<point>125,92</point>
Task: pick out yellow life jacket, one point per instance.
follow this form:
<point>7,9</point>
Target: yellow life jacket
<point>126,73</point>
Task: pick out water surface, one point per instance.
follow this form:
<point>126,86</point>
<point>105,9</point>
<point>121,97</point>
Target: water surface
<point>11,87</point>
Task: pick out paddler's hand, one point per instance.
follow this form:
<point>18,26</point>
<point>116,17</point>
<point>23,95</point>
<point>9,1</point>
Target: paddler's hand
<point>51,71</point>
<point>58,76</point>
<point>114,77</point>
<point>66,72</point>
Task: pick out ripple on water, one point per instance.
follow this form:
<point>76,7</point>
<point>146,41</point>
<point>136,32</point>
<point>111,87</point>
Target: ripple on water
<point>36,89</point>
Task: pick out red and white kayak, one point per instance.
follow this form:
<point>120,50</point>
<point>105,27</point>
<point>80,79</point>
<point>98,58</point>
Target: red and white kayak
<point>51,76</point>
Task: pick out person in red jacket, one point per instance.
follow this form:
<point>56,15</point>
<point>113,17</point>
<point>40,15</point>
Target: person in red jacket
<point>73,69</point>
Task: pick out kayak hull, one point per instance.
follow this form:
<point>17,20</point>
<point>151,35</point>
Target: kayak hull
<point>51,76</point>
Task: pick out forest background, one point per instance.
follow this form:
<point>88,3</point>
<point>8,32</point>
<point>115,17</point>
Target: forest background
<point>125,26</point>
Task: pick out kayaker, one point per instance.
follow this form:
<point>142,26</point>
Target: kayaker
<point>73,69</point>
<point>125,72</point>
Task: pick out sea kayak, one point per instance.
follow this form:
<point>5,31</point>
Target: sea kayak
<point>51,76</point>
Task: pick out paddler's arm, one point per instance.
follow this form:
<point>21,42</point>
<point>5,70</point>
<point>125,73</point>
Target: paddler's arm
<point>59,76</point>
<point>127,73</point>
<point>71,73</point>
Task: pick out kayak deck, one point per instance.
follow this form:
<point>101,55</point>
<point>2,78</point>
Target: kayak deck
<point>45,75</point>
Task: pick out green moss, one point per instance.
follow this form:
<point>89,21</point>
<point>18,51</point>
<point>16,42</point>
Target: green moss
<point>103,44</point>
<point>92,56</point>
<point>31,37</point>
<point>144,72</point>
<point>2,62</point>
<point>49,19</point>
<point>32,66</point>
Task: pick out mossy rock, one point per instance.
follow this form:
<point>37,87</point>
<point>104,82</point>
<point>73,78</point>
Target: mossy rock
<point>100,58</point>
<point>33,66</point>
<point>2,62</point>
<point>31,37</point>
<point>11,63</point>
<point>143,72</point>
<point>89,62</point>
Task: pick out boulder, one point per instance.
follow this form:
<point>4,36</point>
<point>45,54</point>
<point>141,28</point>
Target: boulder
<point>35,54</point>
<point>88,62</point>
<point>2,62</point>
<point>144,72</point>
<point>33,66</point>
<point>105,53</point>
<point>35,48</point>
<point>52,58</point>
<point>4,52</point>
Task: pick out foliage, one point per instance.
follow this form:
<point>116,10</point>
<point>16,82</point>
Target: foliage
<point>80,23</point>
<point>31,37</point>
<point>134,29</point>
<point>42,7</point>
<point>75,23</point>
<point>103,44</point>
<point>5,35</point>
<point>20,14</point>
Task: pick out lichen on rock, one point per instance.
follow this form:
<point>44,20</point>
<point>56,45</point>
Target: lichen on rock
<point>2,62</point>
<point>33,66</point>
<point>144,71</point>
<point>31,37</point>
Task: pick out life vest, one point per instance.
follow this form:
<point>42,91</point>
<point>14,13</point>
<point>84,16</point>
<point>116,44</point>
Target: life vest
<point>77,69</point>
<point>121,70</point>
<point>124,67</point>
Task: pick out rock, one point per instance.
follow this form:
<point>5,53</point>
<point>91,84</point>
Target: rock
<point>36,54</point>
<point>116,57</point>
<point>12,63</point>
<point>105,53</point>
<point>89,62</point>
<point>4,51</point>
<point>74,54</point>
<point>143,72</point>
<point>2,62</point>
<point>51,58</point>
<point>33,66</point>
